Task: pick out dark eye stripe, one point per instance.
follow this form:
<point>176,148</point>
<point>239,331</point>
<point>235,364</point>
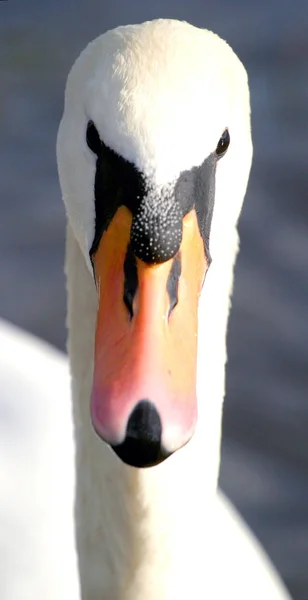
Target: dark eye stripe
<point>173,283</point>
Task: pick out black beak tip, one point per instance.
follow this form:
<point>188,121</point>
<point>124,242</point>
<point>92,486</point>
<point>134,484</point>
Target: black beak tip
<point>142,445</point>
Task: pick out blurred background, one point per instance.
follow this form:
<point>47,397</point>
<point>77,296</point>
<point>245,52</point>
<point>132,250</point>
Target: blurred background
<point>265,444</point>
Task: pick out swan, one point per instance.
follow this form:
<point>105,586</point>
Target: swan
<point>154,152</point>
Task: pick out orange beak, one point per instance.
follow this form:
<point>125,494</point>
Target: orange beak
<point>151,354</point>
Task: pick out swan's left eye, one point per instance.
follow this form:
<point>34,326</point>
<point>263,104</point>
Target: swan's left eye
<point>93,139</point>
<point>223,144</point>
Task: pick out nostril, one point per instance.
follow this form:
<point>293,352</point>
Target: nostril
<point>142,444</point>
<point>173,282</point>
<point>130,280</point>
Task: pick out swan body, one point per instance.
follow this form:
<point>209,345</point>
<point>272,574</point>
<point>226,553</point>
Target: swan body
<point>38,557</point>
<point>156,100</point>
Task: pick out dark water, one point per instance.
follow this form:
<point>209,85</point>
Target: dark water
<point>265,450</point>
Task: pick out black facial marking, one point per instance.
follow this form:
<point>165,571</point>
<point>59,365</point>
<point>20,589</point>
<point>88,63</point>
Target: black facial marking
<point>173,282</point>
<point>130,280</point>
<point>156,231</point>
<point>205,188</point>
<point>196,189</point>
<point>117,183</point>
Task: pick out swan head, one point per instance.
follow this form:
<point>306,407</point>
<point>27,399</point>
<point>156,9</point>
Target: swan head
<point>154,152</point>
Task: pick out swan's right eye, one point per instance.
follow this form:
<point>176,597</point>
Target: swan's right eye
<point>223,144</point>
<point>93,139</point>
